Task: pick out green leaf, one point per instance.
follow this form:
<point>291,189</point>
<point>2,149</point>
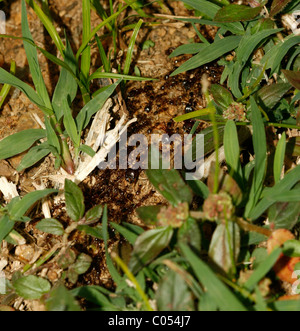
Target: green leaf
<point>168,181</point>
<point>20,207</point>
<point>87,150</point>
<point>284,215</point>
<point>31,287</point>
<point>48,25</point>
<point>6,87</point>
<point>99,74</point>
<point>66,87</point>
<point>279,158</point>
<point>82,263</point>
<point>225,245</point>
<point>220,294</point>
<point>210,53</point>
<point>33,156</point>
<point>60,299</point>
<point>221,95</point>
<point>50,225</point>
<point>74,200</point>
<point>208,8</point>
<point>32,59</point>
<point>260,150</point>
<point>232,148</point>
<point>93,215</point>
<point>52,137</point>
<point>289,180</point>
<point>148,246</point>
<point>93,106</point>
<point>70,124</point>
<point>291,248</point>
<point>173,294</point>
<point>148,214</point>
<point>262,269</point>
<point>269,95</point>
<point>126,233</point>
<point>6,226</point>
<point>131,47</point>
<point>19,142</point>
<point>187,49</point>
<point>235,13</point>
<point>278,6</point>
<point>189,233</point>
<point>67,259</point>
<point>91,231</point>
<point>86,30</point>
<point>293,77</point>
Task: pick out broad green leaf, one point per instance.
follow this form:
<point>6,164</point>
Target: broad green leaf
<point>268,96</point>
<point>210,53</point>
<point>82,263</point>
<point>148,246</point>
<point>173,294</point>
<point>91,108</point>
<point>260,150</point>
<point>235,13</point>
<point>50,225</point>
<point>32,58</point>
<point>225,245</point>
<point>74,200</point>
<point>19,142</point>
<point>189,233</point>
<point>6,225</point>
<point>33,156</point>
<point>87,150</point>
<point>220,293</point>
<point>20,207</point>
<point>287,305</point>
<point>31,287</point>
<point>291,248</point>
<point>279,157</point>
<point>293,77</point>
<point>168,181</point>
<point>284,215</point>
<point>61,299</point>
<point>66,259</point>
<point>148,214</point>
<point>278,6</point>
<point>221,95</point>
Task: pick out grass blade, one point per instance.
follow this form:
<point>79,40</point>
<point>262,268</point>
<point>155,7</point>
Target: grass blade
<point>86,31</point>
<point>131,47</point>
<point>32,58</point>
<point>19,142</point>
<point>99,74</point>
<point>279,157</point>
<point>260,150</point>
<point>210,53</point>
<point>48,25</point>
<point>222,296</point>
<point>6,87</point>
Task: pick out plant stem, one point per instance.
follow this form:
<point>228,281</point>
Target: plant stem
<point>246,226</point>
